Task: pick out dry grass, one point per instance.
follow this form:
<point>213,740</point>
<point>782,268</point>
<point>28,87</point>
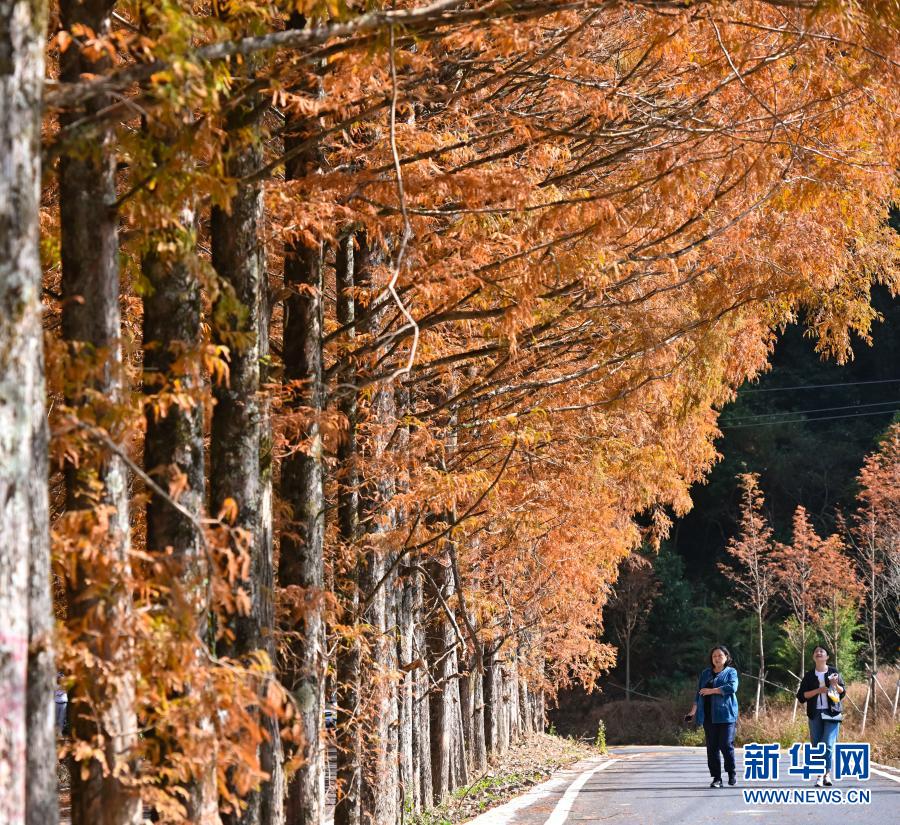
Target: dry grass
<point>525,764</point>
<point>882,729</point>
<point>637,722</point>
<point>642,722</point>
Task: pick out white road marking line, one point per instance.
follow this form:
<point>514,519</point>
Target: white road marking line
<point>886,767</point>
<point>564,806</point>
<point>503,813</point>
<point>885,775</point>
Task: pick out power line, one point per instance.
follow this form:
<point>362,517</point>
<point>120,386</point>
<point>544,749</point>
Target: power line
<point>760,416</point>
<point>808,420</point>
<point>822,386</point>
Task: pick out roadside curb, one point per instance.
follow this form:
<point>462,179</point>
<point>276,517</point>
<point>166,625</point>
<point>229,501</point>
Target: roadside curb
<point>564,782</point>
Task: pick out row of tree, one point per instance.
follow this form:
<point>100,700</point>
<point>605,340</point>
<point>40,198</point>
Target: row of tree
<point>819,580</point>
<point>371,342</point>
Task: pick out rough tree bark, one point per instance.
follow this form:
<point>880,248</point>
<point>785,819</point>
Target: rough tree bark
<point>173,446</point>
<point>347,802</point>
<point>421,704</point>
<point>237,428</point>
<point>441,643</point>
<point>27,672</point>
<point>174,441</point>
<point>409,795</point>
<point>302,490</point>
<point>505,708</point>
<point>492,708</point>
<point>460,762</point>
<point>467,713</point>
<point>515,722</point>
<point>379,779</point>
<point>405,608</point>
<point>273,792</point>
<point>479,751</point>
<point>91,325</point>
<point>524,708</point>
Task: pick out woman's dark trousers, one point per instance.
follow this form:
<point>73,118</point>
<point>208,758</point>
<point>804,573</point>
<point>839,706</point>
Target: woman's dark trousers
<point>719,739</point>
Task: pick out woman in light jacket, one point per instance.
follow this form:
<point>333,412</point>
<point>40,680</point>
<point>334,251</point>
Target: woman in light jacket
<point>823,690</point>
<point>715,707</point>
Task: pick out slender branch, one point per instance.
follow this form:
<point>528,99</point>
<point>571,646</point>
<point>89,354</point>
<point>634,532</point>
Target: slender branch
<point>443,602</point>
<point>407,233</point>
<point>468,514</point>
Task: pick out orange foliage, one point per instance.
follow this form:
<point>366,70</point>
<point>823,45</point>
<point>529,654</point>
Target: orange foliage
<point>612,211</point>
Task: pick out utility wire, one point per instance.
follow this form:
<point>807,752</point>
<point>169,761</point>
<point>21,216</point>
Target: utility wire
<point>807,420</point>
<point>822,386</point>
<point>760,416</point>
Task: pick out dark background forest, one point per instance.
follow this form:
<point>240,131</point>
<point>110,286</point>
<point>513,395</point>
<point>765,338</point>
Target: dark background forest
<point>805,428</point>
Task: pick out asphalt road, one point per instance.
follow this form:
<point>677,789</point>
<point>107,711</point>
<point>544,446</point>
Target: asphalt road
<point>665,786</point>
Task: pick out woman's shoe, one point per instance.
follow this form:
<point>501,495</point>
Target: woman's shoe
<point>716,783</point>
<point>826,780</point>
<point>819,781</point>
<point>732,779</point>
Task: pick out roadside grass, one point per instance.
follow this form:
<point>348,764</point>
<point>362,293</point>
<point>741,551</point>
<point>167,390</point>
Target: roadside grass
<point>525,764</point>
<point>644,722</point>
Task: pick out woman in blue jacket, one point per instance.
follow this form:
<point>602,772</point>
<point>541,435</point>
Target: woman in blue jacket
<point>715,707</point>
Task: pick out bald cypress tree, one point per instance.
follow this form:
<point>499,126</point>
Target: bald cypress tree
<point>302,489</point>
<point>27,782</point>
<point>237,425</point>
<point>101,710</point>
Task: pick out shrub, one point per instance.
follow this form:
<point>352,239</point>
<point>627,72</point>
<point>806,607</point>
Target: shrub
<point>774,725</point>
<point>691,737</point>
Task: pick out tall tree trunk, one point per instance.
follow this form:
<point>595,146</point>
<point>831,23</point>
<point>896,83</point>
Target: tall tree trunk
<point>466,682</point>
<point>347,735</point>
<point>466,704</point>
<point>524,707</point>
<point>440,663</point>
<point>760,694</point>
<point>461,761</point>
<point>27,672</point>
<point>237,430</point>
<point>378,694</point>
<point>627,666</point>
<point>539,711</point>
<point>173,447</point>
<point>379,780</point>
<point>274,791</point>
<point>406,618</point>
<point>405,606</point>
<point>41,802</point>
<point>91,324</point>
<point>479,749</point>
<point>491,690</point>
<point>302,480</point>
<point>802,661</point>
<point>173,452</point>
<point>422,706</point>
<point>873,638</point>
<point>503,714</point>
<point>515,730</point>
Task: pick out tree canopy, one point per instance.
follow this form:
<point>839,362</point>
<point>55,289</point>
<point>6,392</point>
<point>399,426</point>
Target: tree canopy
<point>375,340</point>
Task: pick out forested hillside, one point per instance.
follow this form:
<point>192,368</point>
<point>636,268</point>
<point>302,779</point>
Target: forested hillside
<point>806,427</point>
<point>348,350</point>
